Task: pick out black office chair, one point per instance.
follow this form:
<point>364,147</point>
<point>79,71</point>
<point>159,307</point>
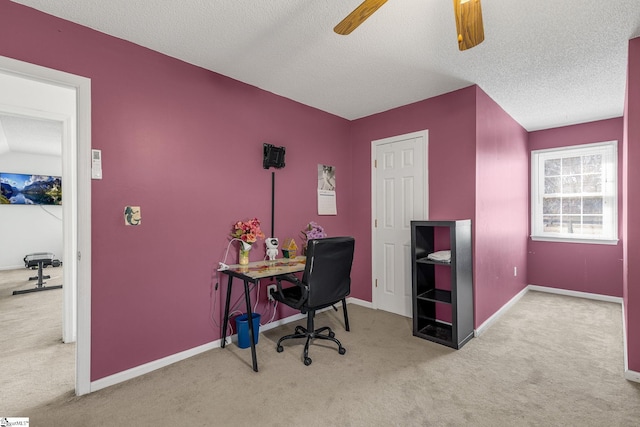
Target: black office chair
<point>326,281</point>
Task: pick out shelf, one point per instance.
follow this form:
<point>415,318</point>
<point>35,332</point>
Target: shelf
<point>430,261</point>
<point>433,287</point>
<point>441,331</point>
<point>436,295</point>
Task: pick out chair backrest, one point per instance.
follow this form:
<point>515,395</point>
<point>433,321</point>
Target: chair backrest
<point>328,270</point>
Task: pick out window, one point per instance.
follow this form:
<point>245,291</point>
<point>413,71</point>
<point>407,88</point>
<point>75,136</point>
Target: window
<point>574,193</point>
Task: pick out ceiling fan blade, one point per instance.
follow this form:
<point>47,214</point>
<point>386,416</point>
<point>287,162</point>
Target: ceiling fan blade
<point>358,16</point>
<point>469,23</point>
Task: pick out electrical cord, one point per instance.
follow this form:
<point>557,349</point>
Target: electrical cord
<point>234,307</point>
<point>255,306</point>
<point>273,315</point>
<point>50,213</point>
<point>223,265</point>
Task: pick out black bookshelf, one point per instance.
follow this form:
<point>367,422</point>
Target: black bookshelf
<point>428,294</point>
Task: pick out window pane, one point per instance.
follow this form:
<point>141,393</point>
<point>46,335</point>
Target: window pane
<point>551,205</point>
<point>574,192</point>
<point>571,184</point>
<point>570,224</point>
<point>592,225</point>
<point>592,205</point>
<point>551,223</point>
<point>571,205</point>
<point>592,164</point>
<point>592,183</point>
<point>552,167</point>
<point>571,166</point>
<point>552,185</point>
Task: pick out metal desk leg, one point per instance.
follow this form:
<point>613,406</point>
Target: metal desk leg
<point>225,322</point>
<point>247,300</point>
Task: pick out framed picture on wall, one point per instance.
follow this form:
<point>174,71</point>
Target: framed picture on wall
<point>23,189</point>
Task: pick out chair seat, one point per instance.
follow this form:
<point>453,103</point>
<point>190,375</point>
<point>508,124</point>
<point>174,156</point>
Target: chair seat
<point>293,296</point>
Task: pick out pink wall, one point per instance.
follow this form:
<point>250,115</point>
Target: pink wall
<point>185,144</point>
<point>501,224</point>
<point>574,266</point>
<point>632,208</point>
<point>466,129</point>
<point>450,120</point>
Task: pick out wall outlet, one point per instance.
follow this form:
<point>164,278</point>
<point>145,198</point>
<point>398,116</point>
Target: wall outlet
<point>269,288</point>
<point>515,271</point>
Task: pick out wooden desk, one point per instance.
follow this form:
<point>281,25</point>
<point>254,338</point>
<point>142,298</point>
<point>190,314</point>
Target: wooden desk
<point>252,273</point>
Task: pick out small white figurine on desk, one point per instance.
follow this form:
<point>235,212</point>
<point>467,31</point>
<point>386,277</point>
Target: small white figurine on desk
<point>272,248</point>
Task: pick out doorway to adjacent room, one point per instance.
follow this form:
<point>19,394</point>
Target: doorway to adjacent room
<point>32,93</point>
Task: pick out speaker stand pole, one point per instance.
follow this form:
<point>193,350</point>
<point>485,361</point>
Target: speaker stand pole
<point>273,193</point>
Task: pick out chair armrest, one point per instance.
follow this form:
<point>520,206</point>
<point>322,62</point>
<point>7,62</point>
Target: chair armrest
<point>290,278</point>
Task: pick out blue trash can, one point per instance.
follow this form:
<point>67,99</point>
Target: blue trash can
<point>242,326</point>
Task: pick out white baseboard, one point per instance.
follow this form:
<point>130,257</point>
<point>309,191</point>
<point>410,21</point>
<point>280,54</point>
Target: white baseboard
<point>360,302</point>
<point>151,366</point>
<point>632,375</point>
<point>628,374</point>
<point>577,294</point>
<point>13,267</point>
<point>177,357</point>
<point>491,320</point>
<point>280,322</point>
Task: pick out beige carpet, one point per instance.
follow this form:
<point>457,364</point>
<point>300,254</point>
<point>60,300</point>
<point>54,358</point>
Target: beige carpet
<point>549,361</point>
<point>35,366</point>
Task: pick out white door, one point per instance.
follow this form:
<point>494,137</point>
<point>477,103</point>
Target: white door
<point>399,184</point>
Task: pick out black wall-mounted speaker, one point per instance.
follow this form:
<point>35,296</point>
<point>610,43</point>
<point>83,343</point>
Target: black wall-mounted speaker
<point>273,156</point>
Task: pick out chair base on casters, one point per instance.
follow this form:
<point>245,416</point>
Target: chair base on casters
<point>301,332</point>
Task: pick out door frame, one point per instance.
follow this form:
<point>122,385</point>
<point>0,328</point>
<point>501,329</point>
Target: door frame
<point>76,168</point>
<point>374,145</point>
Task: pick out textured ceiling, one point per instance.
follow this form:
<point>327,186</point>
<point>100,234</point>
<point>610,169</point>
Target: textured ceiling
<point>548,63</point>
<point>30,136</point>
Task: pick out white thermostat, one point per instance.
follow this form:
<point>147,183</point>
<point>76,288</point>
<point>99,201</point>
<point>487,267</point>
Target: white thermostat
<point>96,164</point>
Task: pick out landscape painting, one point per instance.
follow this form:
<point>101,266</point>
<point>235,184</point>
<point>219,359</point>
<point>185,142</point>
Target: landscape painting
<point>23,189</point>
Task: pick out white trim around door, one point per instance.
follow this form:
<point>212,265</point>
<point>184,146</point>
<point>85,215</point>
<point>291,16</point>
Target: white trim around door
<point>76,156</point>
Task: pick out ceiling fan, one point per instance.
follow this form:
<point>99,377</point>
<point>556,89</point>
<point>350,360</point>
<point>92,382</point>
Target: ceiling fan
<point>468,20</point>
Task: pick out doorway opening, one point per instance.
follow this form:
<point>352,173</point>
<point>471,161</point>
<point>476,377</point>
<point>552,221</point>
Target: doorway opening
<point>35,96</point>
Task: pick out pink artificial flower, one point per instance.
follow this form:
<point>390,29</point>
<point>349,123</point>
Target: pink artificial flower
<point>248,231</point>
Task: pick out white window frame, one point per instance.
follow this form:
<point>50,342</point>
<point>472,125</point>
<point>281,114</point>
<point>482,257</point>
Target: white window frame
<point>609,151</point>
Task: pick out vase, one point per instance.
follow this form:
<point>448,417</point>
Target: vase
<point>243,255</point>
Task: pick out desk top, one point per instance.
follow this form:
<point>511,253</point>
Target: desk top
<point>261,269</point>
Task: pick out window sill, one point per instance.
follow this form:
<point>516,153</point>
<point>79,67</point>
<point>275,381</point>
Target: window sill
<point>574,240</point>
